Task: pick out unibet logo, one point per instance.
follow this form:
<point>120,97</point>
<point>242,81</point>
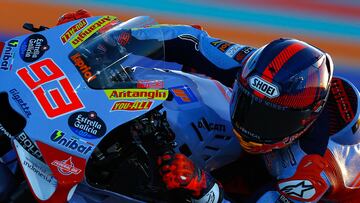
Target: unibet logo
<point>72,144</point>
<point>268,89</point>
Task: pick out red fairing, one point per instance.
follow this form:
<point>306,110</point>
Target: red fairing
<point>67,17</point>
<point>67,169</point>
<point>1,47</point>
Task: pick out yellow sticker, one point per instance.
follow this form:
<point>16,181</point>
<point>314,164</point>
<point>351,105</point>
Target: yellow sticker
<point>90,30</point>
<point>138,105</point>
<point>72,30</point>
<point>155,94</point>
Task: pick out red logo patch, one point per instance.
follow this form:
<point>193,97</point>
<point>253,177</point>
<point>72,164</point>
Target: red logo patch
<point>66,167</point>
<point>124,38</point>
<point>150,84</point>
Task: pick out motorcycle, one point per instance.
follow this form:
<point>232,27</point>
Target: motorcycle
<point>86,120</point>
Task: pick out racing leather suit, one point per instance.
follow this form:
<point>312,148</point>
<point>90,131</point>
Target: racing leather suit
<point>323,164</point>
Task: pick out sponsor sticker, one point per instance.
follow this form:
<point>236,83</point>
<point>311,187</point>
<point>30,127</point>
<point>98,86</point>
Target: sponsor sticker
<point>4,132</point>
<point>242,54</point>
<point>71,31</point>
<point>72,144</point>
<point>8,56</point>
<point>183,95</point>
<point>150,84</point>
<point>283,199</point>
<point>124,38</point>
<point>33,47</point>
<point>15,95</point>
<point>342,100</point>
<point>82,67</point>
<point>40,170</point>
<point>25,141</point>
<point>132,105</point>
<point>225,46</point>
<point>38,173</point>
<point>298,188</point>
<point>264,87</point>
<point>203,124</point>
<point>216,43</point>
<point>232,50</point>
<point>155,94</point>
<point>87,125</point>
<point>66,167</point>
<point>90,30</point>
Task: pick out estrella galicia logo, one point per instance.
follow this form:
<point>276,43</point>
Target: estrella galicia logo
<point>87,125</point>
<point>33,47</point>
<point>8,57</point>
<point>264,87</point>
<point>73,144</point>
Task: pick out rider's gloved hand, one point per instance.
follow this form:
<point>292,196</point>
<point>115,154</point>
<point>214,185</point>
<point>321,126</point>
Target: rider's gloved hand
<point>179,172</point>
<point>67,17</point>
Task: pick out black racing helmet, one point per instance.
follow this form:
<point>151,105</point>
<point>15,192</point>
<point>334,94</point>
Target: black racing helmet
<point>279,93</point>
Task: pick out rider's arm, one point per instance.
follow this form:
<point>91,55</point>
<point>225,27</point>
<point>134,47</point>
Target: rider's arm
<point>189,46</point>
<point>308,184</point>
<point>196,50</point>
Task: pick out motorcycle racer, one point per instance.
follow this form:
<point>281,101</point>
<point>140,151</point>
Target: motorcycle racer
<point>314,155</point>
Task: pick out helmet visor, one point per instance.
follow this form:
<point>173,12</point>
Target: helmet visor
<point>260,121</point>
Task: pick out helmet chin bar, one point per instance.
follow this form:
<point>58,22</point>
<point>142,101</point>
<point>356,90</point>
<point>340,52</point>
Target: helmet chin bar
<point>262,148</point>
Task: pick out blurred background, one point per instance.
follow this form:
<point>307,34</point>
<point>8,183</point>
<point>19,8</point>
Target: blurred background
<point>332,25</point>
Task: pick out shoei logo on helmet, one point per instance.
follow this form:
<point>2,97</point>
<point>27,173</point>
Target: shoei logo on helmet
<point>268,89</point>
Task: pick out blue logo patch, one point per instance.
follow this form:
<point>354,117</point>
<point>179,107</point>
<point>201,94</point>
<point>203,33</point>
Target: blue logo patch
<point>70,143</point>
<point>33,47</point>
<point>8,57</point>
<point>87,125</point>
<point>183,94</point>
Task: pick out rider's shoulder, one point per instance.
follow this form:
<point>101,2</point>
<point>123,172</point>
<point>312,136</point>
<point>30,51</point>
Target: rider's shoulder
<point>343,111</point>
<point>338,122</point>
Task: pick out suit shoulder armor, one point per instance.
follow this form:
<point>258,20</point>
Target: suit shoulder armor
<point>343,112</point>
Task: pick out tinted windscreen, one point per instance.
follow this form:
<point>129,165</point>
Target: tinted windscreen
<point>105,59</point>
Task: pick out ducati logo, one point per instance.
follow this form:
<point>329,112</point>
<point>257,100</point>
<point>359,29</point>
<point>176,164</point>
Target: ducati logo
<point>264,87</point>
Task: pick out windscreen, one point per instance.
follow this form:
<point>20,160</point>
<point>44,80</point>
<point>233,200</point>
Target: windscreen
<point>106,58</point>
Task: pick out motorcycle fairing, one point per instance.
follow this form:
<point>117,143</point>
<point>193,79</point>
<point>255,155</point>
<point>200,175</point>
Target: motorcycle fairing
<point>194,123</point>
<point>59,81</point>
<point>38,174</point>
<point>53,76</point>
